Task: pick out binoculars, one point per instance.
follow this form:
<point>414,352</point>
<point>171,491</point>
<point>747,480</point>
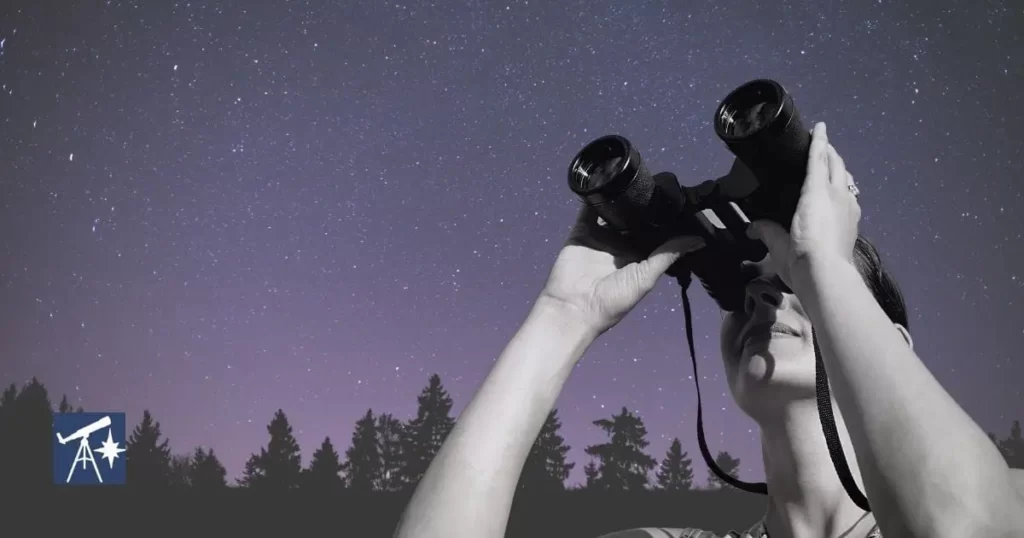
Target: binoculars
<point>761,126</point>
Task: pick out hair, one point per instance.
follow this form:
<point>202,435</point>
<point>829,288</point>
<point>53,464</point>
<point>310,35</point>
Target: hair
<point>881,283</point>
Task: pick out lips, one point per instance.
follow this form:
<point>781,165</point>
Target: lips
<point>766,329</point>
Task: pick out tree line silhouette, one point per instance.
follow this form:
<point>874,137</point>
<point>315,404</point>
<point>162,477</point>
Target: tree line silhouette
<point>385,454</point>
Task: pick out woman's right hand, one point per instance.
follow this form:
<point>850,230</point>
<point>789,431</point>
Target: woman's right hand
<point>598,278</point>
<point>595,281</point>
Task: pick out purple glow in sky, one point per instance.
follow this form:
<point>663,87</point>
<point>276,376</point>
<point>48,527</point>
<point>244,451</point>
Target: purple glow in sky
<point>216,209</point>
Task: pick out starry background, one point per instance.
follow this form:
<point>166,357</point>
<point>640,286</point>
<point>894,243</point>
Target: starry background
<point>216,209</point>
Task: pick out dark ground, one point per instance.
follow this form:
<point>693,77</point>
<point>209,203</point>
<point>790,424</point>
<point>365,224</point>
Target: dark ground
<point>125,512</point>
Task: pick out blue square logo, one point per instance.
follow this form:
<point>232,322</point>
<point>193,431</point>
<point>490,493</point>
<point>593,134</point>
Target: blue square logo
<point>89,449</point>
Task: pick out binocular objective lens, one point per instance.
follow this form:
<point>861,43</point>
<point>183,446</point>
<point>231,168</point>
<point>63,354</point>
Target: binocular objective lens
<point>599,164</point>
<point>749,108</point>
<point>600,173</point>
<point>743,121</point>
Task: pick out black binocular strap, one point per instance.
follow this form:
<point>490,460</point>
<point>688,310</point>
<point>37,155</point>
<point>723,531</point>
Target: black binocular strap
<point>828,423</point>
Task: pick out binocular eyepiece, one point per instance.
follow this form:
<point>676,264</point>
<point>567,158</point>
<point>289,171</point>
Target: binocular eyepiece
<point>761,126</point>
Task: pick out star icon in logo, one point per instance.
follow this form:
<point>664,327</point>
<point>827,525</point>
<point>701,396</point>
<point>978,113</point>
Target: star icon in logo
<point>110,449</point>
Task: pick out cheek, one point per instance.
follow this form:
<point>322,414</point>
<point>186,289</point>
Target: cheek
<point>731,326</point>
<point>727,338</point>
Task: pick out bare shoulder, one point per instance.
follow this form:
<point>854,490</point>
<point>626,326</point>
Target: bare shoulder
<point>659,532</point>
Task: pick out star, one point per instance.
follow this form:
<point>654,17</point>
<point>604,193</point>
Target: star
<point>110,449</point>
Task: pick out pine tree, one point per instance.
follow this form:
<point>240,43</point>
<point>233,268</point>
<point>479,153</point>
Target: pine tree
<point>8,397</point>
<point>545,469</point>
<point>676,471</point>
<point>8,423</point>
<point>253,476</point>
<point>424,434</point>
<point>207,473</point>
<point>148,458</point>
<point>34,426</point>
<point>1012,448</point>
<point>389,442</point>
<point>728,464</point>
<point>592,474</point>
<point>26,448</point>
<point>181,471</point>
<point>362,460</point>
<point>624,465</point>
<point>277,467</point>
<point>64,406</point>
<point>324,468</point>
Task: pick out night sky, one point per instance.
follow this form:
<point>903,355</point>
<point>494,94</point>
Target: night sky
<point>218,209</point>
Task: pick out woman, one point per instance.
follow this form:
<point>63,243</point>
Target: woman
<point>926,467</point>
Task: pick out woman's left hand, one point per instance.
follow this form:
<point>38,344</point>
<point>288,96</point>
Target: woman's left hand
<point>824,226</point>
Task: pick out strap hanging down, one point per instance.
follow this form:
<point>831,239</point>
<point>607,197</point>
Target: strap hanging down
<point>828,424</point>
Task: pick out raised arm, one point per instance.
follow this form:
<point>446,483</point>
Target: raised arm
<point>467,490</point>
<point>928,468</point>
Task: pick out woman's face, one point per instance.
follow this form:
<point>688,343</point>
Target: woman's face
<point>767,348</point>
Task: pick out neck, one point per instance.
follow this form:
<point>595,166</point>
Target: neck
<point>805,497</point>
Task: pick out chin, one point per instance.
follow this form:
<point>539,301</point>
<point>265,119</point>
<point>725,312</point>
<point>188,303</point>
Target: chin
<point>772,376</point>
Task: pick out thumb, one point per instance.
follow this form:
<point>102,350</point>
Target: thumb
<point>770,233</point>
<point>649,270</point>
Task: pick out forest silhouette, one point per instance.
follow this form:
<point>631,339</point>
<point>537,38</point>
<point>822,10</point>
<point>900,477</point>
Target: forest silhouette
<point>363,489</point>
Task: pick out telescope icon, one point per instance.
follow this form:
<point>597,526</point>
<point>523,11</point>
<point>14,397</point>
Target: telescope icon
<point>85,431</point>
<point>84,454</point>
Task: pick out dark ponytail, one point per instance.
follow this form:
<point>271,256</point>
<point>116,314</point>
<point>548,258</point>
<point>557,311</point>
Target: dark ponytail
<point>882,285</point>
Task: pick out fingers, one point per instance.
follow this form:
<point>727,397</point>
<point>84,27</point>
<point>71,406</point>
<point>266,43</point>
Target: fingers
<point>589,232</point>
<point>837,174</point>
<point>587,225</point>
<point>770,233</point>
<point>817,159</point>
<point>841,179</point>
<point>585,219</point>
<point>649,270</point>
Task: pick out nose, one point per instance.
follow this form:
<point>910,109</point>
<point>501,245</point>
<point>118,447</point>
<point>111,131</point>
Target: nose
<point>761,292</point>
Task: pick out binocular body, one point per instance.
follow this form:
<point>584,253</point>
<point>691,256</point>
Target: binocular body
<point>761,126</point>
